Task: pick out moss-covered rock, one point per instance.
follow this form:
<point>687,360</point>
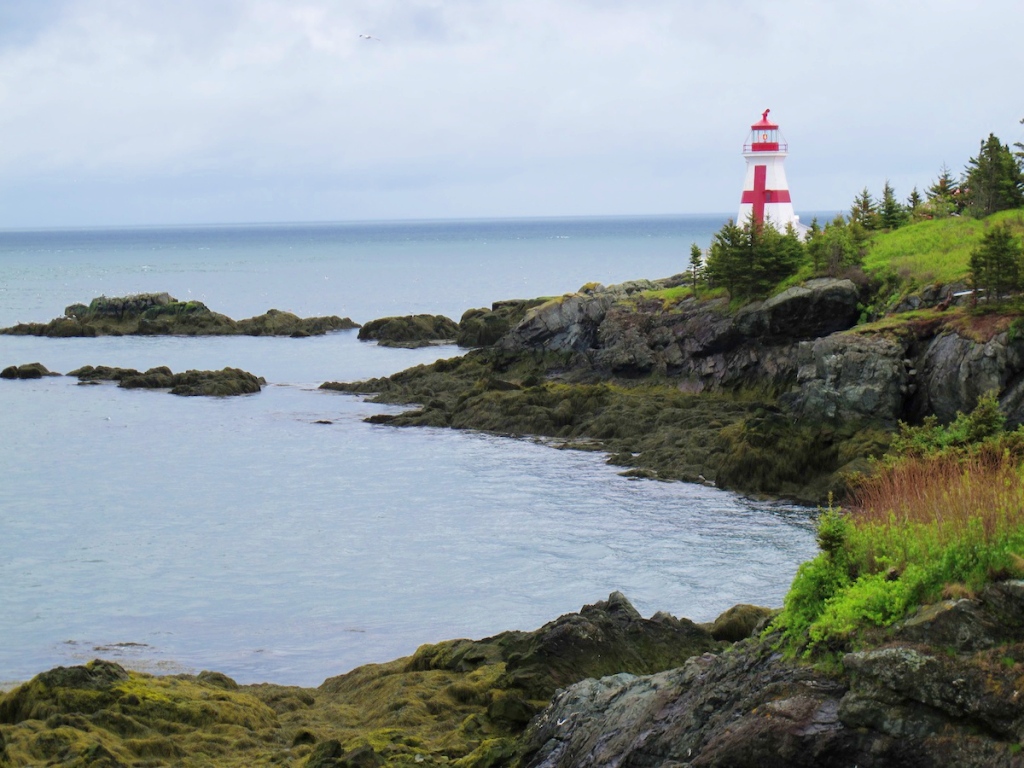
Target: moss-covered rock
<point>461,702</point>
<point>26,371</point>
<point>226,382</point>
<point>159,314</point>
<point>410,330</point>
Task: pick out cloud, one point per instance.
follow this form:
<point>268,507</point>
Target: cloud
<point>479,107</point>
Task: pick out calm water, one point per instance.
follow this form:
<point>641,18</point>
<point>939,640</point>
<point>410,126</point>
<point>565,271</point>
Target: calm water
<point>239,535</point>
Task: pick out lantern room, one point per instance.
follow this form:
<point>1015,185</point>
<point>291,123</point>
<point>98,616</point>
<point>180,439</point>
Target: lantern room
<point>765,136</point>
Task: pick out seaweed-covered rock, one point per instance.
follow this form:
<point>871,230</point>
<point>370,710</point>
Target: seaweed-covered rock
<point>26,371</point>
<point>410,330</point>
<point>100,714</point>
<point>274,322</point>
<point>739,622</point>
<point>159,314</point>
<point>604,638</point>
<point>223,383</point>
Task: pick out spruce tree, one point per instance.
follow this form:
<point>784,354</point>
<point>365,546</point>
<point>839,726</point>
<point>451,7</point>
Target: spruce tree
<point>751,260</point>
<point>864,210</point>
<point>996,263</point>
<point>913,201</point>
<point>836,248</point>
<point>943,194</point>
<point>696,262</point>
<point>728,258</point>
<point>891,214</point>
<point>993,179</point>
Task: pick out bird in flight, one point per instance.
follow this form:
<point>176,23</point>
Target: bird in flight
<point>371,37</point>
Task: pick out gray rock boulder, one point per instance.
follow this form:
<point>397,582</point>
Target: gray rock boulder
<point>955,371</point>
<point>851,377</point>
<point>919,697</point>
<point>565,324</point>
<point>816,308</point>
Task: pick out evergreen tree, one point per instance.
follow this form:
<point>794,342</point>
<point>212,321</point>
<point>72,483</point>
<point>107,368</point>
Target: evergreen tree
<point>836,248</point>
<point>891,214</point>
<point>728,257</point>
<point>993,180</point>
<point>865,210</point>
<point>696,262</point>
<point>943,194</point>
<point>996,263</point>
<point>913,202</point>
<point>1020,147</point>
<point>751,260</point>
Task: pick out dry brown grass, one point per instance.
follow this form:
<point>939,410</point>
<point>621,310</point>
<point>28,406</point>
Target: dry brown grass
<point>945,492</point>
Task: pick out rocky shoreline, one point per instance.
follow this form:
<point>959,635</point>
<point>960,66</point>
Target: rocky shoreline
<point>785,397</point>
<point>600,687</point>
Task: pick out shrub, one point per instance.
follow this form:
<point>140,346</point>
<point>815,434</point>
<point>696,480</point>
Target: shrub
<point>942,513</point>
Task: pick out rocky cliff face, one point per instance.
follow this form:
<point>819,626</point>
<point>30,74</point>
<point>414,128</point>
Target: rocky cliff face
<point>941,689</point>
<point>798,344</point>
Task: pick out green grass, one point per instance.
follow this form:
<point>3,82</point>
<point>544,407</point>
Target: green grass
<point>936,251</point>
<point>941,517</point>
<point>670,297</point>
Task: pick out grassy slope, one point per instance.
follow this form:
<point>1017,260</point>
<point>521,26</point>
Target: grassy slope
<point>936,251</point>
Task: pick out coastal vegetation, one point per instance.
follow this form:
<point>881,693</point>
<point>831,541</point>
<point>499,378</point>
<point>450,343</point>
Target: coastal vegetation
<point>939,516</point>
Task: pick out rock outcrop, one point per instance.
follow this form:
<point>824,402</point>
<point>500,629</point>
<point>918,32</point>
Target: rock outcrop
<point>485,327</point>
<point>226,382</point>
<point>625,331</point>
<point>800,345</point>
<point>460,702</point>
<point>159,314</point>
<point>410,331</point>
<point>941,689</point>
<point>26,371</point>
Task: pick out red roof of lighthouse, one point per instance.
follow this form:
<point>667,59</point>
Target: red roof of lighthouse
<point>765,123</point>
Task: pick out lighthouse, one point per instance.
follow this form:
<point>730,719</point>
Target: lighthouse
<point>765,191</point>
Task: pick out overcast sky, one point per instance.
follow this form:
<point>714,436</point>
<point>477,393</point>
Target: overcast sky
<point>195,111</point>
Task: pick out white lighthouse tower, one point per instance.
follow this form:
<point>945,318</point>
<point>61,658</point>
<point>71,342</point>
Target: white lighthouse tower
<point>765,191</point>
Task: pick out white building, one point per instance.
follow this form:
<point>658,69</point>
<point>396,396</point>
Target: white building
<point>765,190</point>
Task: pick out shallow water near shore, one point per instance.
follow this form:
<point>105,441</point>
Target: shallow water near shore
<point>241,535</point>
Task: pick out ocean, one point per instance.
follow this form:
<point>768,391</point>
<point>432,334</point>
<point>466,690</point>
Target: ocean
<point>240,535</point>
